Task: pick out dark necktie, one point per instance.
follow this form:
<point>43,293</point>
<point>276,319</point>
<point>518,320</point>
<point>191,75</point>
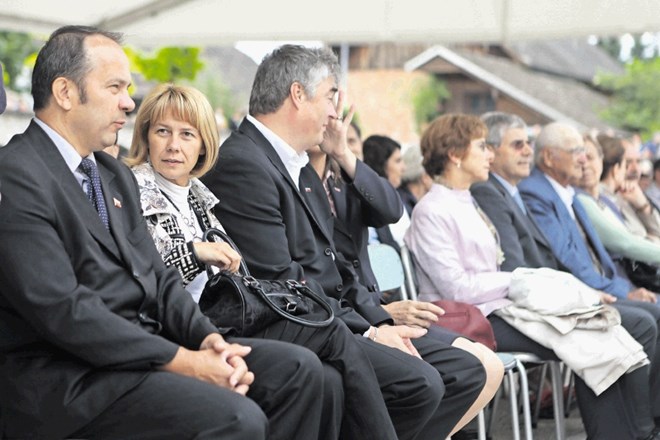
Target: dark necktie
<point>94,191</point>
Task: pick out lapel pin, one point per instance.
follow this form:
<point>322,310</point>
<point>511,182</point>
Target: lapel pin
<point>116,202</point>
<point>337,189</point>
<point>308,189</point>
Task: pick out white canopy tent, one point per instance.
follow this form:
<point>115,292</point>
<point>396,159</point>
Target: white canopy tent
<point>206,22</point>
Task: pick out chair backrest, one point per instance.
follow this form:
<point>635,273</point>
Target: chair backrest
<point>409,272</point>
<point>387,268</point>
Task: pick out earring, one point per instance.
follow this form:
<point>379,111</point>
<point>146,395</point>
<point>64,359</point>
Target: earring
<point>458,164</point>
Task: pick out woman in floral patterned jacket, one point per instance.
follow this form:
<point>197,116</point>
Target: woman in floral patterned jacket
<point>175,142</point>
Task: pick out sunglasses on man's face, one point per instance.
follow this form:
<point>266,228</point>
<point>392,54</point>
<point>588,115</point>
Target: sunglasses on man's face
<point>519,144</point>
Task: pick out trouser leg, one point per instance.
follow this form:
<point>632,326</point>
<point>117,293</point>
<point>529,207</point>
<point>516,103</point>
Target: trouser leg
<point>412,389</point>
<point>365,414</point>
<point>288,386</point>
<point>464,377</point>
<point>604,417</point>
<point>333,404</point>
<point>168,406</point>
<point>651,348</point>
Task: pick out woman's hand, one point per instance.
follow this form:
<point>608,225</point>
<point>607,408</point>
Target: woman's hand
<point>220,255</point>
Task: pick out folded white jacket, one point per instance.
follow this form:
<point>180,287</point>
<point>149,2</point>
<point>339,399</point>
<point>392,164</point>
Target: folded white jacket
<point>560,312</point>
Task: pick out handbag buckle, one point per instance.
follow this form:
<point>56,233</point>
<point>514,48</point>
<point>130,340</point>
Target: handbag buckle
<point>250,281</point>
<point>291,306</point>
<point>293,284</point>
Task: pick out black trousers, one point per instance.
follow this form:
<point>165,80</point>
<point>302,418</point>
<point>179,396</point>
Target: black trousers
<point>651,346</point>
<point>283,402</point>
<point>423,398</point>
<point>622,411</point>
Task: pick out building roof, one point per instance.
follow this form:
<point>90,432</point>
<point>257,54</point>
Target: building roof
<point>558,99</point>
<point>572,58</point>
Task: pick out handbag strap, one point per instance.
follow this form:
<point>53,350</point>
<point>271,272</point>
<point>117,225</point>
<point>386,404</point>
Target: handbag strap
<point>302,290</point>
<point>209,235</point>
<point>294,285</point>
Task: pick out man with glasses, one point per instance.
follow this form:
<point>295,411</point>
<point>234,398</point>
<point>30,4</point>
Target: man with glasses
<point>549,197</point>
<point>525,245</point>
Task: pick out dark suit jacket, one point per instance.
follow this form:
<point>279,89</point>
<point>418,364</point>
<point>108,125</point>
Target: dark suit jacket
<point>522,242</point>
<point>369,200</point>
<point>274,225</point>
<point>566,242</point>
<point>85,313</point>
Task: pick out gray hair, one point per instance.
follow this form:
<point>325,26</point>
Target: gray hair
<point>554,135</point>
<point>498,123</point>
<point>286,65</point>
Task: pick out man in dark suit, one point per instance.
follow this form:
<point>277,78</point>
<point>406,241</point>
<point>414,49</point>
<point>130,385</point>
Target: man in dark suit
<point>97,337</point>
<point>525,245</point>
<point>276,210</point>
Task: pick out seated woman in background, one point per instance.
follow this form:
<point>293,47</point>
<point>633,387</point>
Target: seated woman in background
<point>370,200</point>
<point>383,155</point>
<point>605,167</point>
<point>458,257</point>
<point>175,142</point>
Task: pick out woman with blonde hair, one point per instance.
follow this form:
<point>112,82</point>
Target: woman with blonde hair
<point>175,142</point>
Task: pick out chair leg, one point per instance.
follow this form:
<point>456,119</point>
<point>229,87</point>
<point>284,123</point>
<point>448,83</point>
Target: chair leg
<point>514,405</point>
<point>481,422</point>
<point>558,399</point>
<point>539,394</point>
<point>569,394</point>
<point>493,409</point>
<point>524,391</point>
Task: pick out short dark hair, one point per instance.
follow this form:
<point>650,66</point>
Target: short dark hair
<point>377,150</point>
<point>64,55</point>
<point>613,152</point>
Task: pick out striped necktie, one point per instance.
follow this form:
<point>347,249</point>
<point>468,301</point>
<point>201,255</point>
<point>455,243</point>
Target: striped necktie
<point>94,191</point>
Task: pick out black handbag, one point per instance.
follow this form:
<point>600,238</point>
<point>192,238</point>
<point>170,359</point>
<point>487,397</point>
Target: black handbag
<point>642,274</point>
<point>241,305</point>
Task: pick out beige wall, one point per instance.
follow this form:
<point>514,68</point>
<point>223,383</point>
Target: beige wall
<point>383,99</point>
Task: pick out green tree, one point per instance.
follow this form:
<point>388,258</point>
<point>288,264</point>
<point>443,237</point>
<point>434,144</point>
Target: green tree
<point>635,102</point>
<point>427,99</point>
<point>15,47</point>
<point>218,93</point>
<point>167,64</point>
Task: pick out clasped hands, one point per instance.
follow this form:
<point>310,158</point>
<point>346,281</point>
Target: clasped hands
<point>217,362</point>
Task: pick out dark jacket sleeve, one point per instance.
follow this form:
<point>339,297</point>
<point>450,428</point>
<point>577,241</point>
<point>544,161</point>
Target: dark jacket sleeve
<point>501,215</point>
<point>380,202</point>
<point>268,232</point>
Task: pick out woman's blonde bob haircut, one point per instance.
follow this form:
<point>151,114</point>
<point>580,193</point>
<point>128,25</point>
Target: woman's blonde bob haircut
<point>186,104</point>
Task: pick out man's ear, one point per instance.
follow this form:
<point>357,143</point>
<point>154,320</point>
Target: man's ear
<point>547,157</point>
<point>297,94</point>
<point>64,92</point>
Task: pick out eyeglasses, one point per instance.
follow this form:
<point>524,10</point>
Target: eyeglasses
<point>576,151</point>
<point>519,144</point>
